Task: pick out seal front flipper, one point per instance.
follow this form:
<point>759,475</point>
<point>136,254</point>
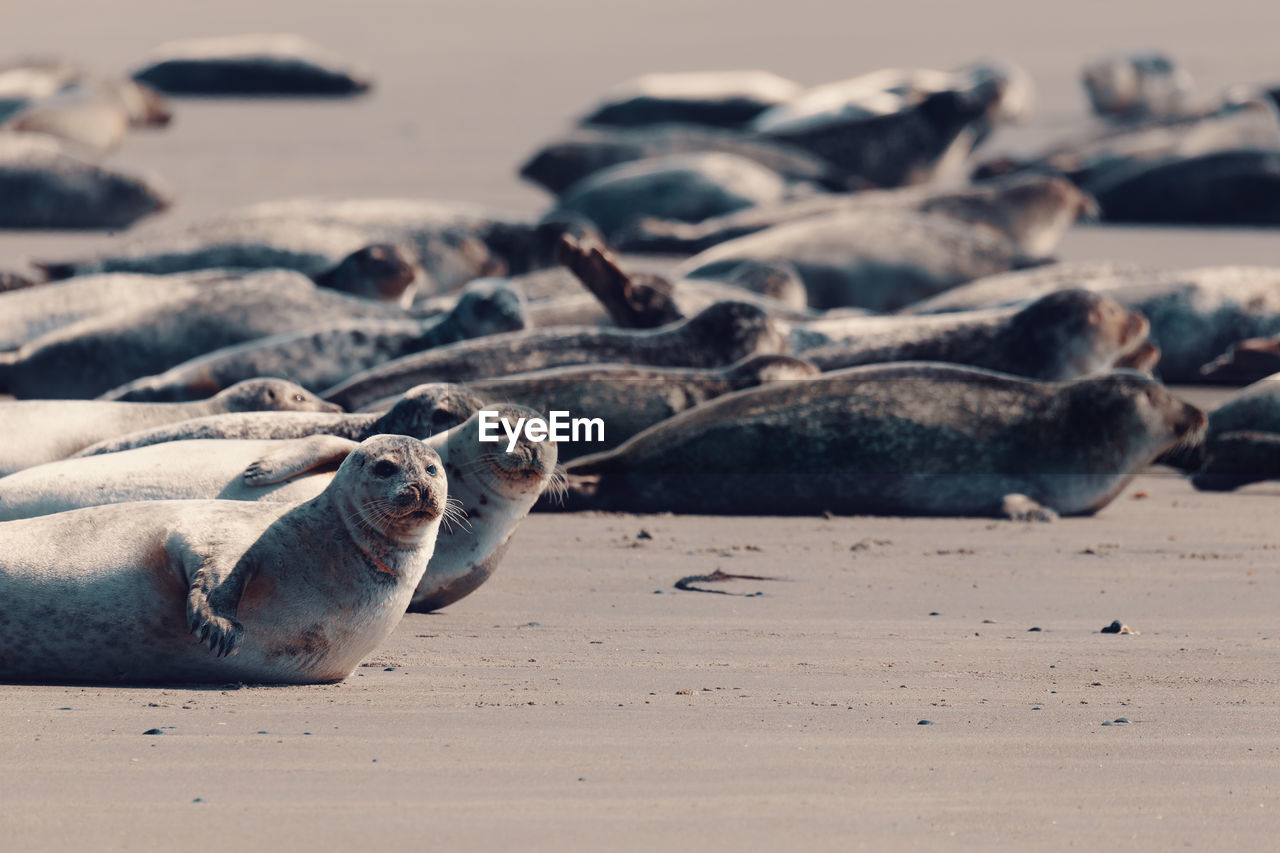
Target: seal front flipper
<point>298,457</point>
<point>1017,507</point>
<point>213,598</point>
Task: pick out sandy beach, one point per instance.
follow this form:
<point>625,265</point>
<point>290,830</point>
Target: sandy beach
<point>579,700</point>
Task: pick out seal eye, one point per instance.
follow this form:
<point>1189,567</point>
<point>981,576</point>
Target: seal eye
<point>384,468</point>
<point>297,398</point>
<point>432,471</point>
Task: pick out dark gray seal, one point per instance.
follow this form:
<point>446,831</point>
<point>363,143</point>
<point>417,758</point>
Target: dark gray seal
<point>682,187</point>
<point>100,353</point>
<point>568,159</point>
<point>1195,314</point>
<point>251,64</point>
<point>1235,187</point>
<point>222,591</point>
<point>319,358</point>
<point>722,334</point>
<point>903,439</point>
<point>420,412</point>
<point>1065,335</point>
<point>1246,361</point>
<point>713,98</point>
<point>44,186</point>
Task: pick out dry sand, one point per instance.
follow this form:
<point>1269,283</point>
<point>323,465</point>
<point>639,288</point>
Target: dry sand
<point>579,701</point>
<point>567,704</point>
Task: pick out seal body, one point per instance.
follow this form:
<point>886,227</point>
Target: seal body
<point>318,358</point>
<point>713,98</point>
<point>92,356</point>
<point>1136,85</point>
<point>881,260</point>
<point>1195,314</point>
<point>222,591</point>
<point>1033,210</point>
<point>420,411</point>
<point>683,187</point>
<point>251,64</point>
<point>39,431</point>
<point>1236,187</point>
<point>910,438</point>
<point>1064,335</point>
<point>44,186</point>
<point>722,334</point>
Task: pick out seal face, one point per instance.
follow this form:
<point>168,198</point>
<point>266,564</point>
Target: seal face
<point>932,439</point>
<point>216,591</point>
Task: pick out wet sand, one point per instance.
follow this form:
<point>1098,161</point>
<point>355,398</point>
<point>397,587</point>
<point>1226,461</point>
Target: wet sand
<point>578,700</point>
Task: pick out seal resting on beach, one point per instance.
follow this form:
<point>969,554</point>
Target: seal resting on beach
<point>420,412</point>
<point>321,357</point>
<point>44,185</point>
<point>250,64</point>
<point>491,488</point>
<point>714,98</point>
<point>39,431</point>
<point>219,591</point>
<point>720,335</point>
<point>913,438</point>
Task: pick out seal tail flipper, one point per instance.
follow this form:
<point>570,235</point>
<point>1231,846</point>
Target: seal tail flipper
<point>632,301</point>
<point>298,457</point>
<point>1236,459</point>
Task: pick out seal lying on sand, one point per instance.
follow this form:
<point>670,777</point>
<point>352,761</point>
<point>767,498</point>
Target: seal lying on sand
<point>876,259</point>
<point>321,357</point>
<point>682,187</point>
<point>1064,335</point>
<point>714,98</point>
<point>630,398</point>
<point>420,412</point>
<point>251,64</point>
<point>217,591</point>
<point>909,438</point>
<point>490,488</point>
<point>564,161</point>
<point>1136,85</point>
<point>333,256</point>
<point>1250,360</point>
<point>97,354</point>
<point>38,431</point>
<point>1195,314</point>
<point>1235,187</point>
<point>43,185</point>
<point>1237,448</point>
<point>1033,210</point>
<point>722,334</point>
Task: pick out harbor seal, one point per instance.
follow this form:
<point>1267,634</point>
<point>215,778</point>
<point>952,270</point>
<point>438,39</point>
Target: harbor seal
<point>491,488</point>
<point>1065,335</point>
<point>250,64</point>
<point>911,438</point>
<point>1244,416</point>
<point>876,259</point>
<point>96,354</point>
<point>682,187</point>
<point>714,98</point>
<point>1034,211</point>
<point>321,357</point>
<point>722,334</point>
<point>421,411</point>
<point>568,159</point>
<point>1236,459</point>
<point>1195,314</point>
<point>38,431</point>
<point>1136,85</point>
<point>1234,187</point>
<point>218,591</point>
<point>44,186</point>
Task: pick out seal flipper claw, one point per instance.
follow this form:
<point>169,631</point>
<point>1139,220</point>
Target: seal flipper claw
<point>298,457</point>
<point>211,609</point>
<point>1016,507</point>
